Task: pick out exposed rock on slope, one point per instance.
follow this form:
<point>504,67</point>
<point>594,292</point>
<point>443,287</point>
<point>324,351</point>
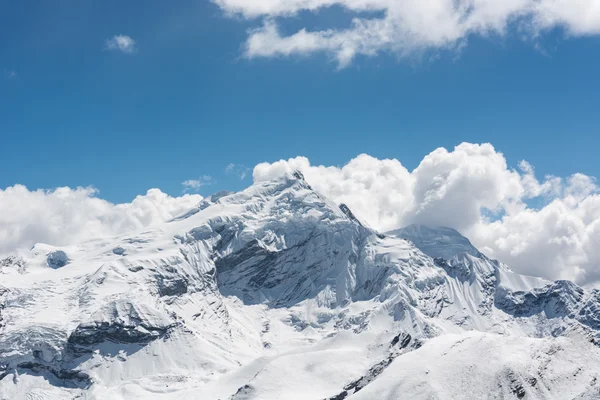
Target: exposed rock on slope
<point>276,292</point>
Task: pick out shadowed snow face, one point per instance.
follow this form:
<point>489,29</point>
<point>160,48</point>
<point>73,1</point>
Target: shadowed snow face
<point>437,242</point>
<point>57,259</point>
<point>255,293</point>
<point>470,189</point>
<point>473,190</point>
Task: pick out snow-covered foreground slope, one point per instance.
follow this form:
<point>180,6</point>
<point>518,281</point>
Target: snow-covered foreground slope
<point>478,365</point>
<point>278,293</point>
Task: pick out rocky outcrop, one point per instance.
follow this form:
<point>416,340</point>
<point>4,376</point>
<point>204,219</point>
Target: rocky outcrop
<point>400,344</point>
<point>68,377</point>
<point>245,277</point>
<point>557,300</point>
<point>122,321</point>
<point>14,262</point>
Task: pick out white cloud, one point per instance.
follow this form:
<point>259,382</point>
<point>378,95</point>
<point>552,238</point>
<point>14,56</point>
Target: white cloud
<point>461,189</point>
<point>408,26</point>
<point>470,188</point>
<point>65,216</point>
<point>193,185</point>
<point>238,170</point>
<point>123,43</point>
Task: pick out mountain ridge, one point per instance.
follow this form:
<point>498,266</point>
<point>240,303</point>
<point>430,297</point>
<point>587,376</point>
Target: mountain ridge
<point>442,242</point>
<point>258,294</point>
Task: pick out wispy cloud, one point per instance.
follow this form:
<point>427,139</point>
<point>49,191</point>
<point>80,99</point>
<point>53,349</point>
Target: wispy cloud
<point>10,74</point>
<point>239,170</point>
<point>123,43</point>
<point>193,185</point>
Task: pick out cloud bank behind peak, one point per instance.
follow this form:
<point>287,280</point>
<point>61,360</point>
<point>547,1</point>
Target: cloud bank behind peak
<point>472,189</point>
<point>469,188</point>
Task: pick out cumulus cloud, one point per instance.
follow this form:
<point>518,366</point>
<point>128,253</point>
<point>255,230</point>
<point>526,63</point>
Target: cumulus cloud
<point>473,190</point>
<point>408,26</point>
<point>380,191</point>
<point>470,188</point>
<point>64,215</point>
<point>123,43</point>
<point>193,185</point>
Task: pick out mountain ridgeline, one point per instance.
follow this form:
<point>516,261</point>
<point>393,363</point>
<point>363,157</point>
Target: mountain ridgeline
<point>276,292</point>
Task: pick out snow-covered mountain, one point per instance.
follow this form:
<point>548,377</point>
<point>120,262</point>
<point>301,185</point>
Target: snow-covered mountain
<point>437,242</point>
<point>276,292</point>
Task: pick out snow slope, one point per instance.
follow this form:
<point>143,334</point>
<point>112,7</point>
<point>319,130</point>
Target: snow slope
<point>437,242</point>
<point>275,292</point>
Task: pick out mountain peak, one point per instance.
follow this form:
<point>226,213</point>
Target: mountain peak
<point>277,279</point>
<point>346,210</point>
<point>298,175</point>
<point>437,242</point>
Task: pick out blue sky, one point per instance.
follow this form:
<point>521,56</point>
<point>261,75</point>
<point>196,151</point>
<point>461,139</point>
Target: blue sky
<point>188,102</point>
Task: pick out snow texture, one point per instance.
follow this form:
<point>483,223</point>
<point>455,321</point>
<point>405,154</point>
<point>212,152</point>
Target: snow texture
<point>276,292</point>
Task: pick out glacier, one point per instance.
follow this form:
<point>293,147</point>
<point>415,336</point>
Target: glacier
<point>276,292</point>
